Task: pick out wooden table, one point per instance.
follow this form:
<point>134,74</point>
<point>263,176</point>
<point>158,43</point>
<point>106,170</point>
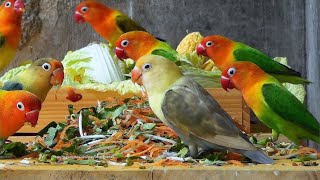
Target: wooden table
<point>283,169</point>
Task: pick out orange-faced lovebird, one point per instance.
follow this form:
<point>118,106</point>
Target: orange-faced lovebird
<point>10,30</point>
<point>38,78</point>
<point>224,51</point>
<point>189,110</point>
<point>17,108</point>
<point>135,44</point>
<point>109,23</point>
<point>275,106</point>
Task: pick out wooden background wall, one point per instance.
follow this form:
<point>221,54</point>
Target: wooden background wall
<point>278,27</point>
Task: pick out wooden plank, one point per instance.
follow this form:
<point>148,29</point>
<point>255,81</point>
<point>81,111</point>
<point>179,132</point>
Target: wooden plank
<point>281,170</point>
<point>313,58</point>
<point>55,108</point>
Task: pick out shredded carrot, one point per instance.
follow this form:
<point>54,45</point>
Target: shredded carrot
<point>306,150</point>
<point>235,162</point>
<point>168,162</point>
<point>143,152</point>
<point>234,156</point>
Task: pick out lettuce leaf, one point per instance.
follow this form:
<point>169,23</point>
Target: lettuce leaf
<point>11,73</point>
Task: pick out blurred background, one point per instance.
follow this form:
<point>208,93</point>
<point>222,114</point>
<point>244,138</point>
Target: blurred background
<point>284,28</point>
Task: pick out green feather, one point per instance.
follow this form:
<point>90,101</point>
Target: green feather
<point>2,40</point>
<point>164,53</point>
<point>290,109</point>
<point>278,70</point>
<point>126,24</point>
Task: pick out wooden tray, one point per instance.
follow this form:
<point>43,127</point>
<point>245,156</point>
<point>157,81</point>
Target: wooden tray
<point>55,107</point>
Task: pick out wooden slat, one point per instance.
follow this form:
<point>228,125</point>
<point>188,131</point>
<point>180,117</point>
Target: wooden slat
<point>55,106</point>
<point>283,169</point>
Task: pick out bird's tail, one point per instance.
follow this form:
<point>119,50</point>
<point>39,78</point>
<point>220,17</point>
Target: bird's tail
<point>291,79</point>
<point>206,79</point>
<point>257,156</point>
<point>315,138</point>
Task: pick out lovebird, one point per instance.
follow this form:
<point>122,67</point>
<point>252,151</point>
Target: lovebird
<point>109,23</point>
<point>38,78</point>
<point>224,52</point>
<point>272,103</point>
<point>17,108</point>
<point>186,107</point>
<point>10,30</point>
<point>135,44</point>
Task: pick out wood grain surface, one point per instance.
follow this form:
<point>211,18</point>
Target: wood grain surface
<point>282,170</point>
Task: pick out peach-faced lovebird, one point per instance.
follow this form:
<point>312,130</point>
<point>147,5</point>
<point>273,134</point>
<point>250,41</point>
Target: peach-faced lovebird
<point>10,30</point>
<point>17,108</point>
<point>135,44</point>
<point>38,78</point>
<point>224,51</point>
<point>189,110</point>
<point>275,106</point>
<point>109,23</point>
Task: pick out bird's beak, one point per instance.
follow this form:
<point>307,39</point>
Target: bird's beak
<point>79,18</point>
<point>57,78</point>
<point>121,54</point>
<point>136,76</point>
<point>201,50</point>
<point>225,83</point>
<point>19,6</point>
<point>32,117</point>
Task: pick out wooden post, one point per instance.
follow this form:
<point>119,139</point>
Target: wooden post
<point>312,8</point>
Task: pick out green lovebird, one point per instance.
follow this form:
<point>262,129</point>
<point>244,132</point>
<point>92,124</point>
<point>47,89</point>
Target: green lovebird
<point>189,110</point>
<point>38,78</point>
<point>224,51</point>
<point>274,105</point>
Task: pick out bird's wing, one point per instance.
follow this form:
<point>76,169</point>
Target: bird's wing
<point>190,109</point>
<point>126,24</point>
<point>289,107</point>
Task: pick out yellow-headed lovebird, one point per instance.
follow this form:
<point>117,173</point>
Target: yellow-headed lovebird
<point>109,23</point>
<point>224,51</point>
<point>135,44</point>
<point>189,110</point>
<point>275,106</point>
<point>10,30</point>
<point>38,78</point>
<point>17,108</point>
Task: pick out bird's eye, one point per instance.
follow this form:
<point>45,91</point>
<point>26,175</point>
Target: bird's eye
<point>46,66</point>
<point>124,43</point>
<point>84,9</point>
<point>209,43</point>
<point>231,71</point>
<point>20,106</point>
<point>8,4</point>
<point>146,67</point>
